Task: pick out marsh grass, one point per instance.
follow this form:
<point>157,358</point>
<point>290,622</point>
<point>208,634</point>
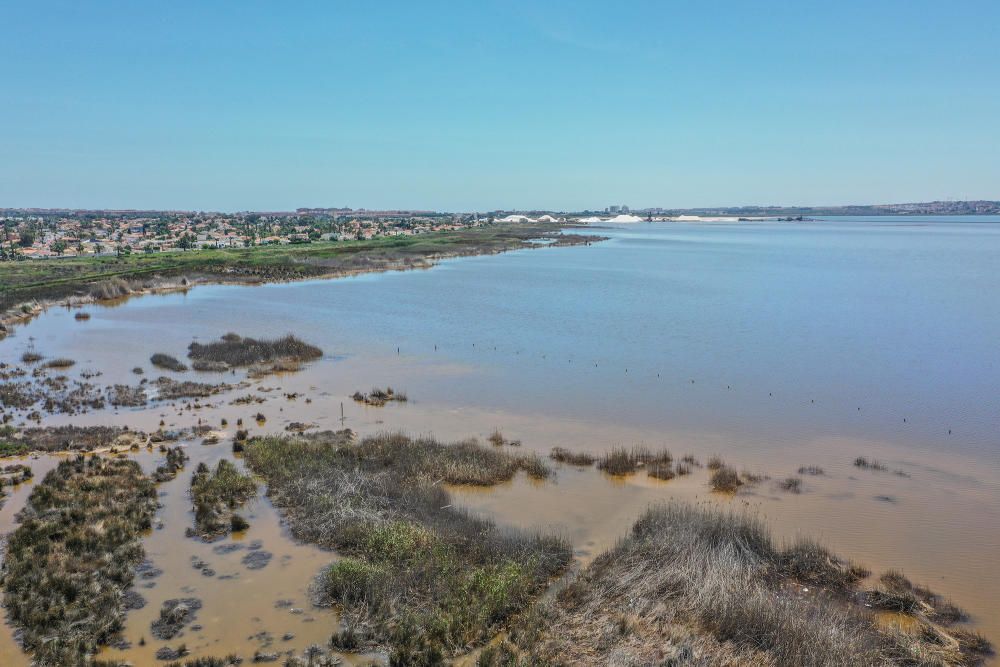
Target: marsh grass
<point>791,485</point>
<point>31,357</point>
<point>231,660</point>
<point>59,362</point>
<point>695,576</point>
<point>161,360</point>
<point>563,455</point>
<point>378,397</point>
<point>74,555</point>
<point>724,479</point>
<point>174,461</point>
<point>421,576</point>
<point>661,470</point>
<point>206,365</point>
<point>811,470</point>
<point>622,461</point>
<point>76,438</point>
<point>897,593</point>
<point>169,389</point>
<point>878,466</point>
<point>82,315</point>
<point>216,494</point>
<point>235,350</point>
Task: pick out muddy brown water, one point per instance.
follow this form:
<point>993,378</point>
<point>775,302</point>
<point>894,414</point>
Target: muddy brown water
<point>939,524</point>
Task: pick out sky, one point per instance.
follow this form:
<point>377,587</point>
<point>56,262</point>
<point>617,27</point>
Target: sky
<point>476,106</point>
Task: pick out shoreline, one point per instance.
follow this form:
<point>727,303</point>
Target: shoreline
<point>179,279</point>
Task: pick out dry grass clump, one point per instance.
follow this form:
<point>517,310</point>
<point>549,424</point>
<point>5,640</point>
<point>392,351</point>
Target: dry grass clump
<point>231,660</point>
<point>661,470</point>
<point>563,455</point>
<point>123,395</point>
<point>216,494</point>
<point>207,365</point>
<point>246,399</point>
<point>422,577</point>
<point>693,585</point>
<point>791,485</point>
<point>497,439</point>
<point>872,464</point>
<point>714,463</point>
<point>811,470</point>
<point>169,389</point>
<point>59,362</point>
<point>724,479</point>
<point>808,562</point>
<point>161,360</point>
<point>77,438</point>
<point>114,288</point>
<point>73,556</point>
<point>31,357</point>
<point>379,397</point>
<point>235,350</point>
<point>621,461</point>
<point>862,462</point>
<point>897,593</point>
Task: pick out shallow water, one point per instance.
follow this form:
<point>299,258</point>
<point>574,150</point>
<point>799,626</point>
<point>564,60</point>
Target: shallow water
<point>773,345</point>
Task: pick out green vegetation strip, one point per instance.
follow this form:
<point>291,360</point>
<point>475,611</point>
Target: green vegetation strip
<point>22,281</point>
<point>421,576</point>
<point>74,555</point>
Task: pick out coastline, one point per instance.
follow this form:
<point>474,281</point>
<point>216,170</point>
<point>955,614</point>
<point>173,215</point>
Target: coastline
<point>327,261</point>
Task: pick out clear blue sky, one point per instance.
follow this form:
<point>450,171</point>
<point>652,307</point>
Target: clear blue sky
<point>482,105</point>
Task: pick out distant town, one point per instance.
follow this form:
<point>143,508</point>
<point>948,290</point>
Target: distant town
<point>51,233</point>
